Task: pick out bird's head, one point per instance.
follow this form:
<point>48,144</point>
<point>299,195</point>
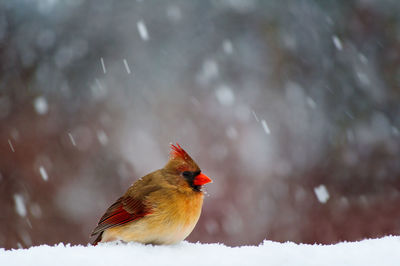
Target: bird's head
<point>182,165</point>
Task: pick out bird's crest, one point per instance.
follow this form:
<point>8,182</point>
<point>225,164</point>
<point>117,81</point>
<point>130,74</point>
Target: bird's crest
<point>178,152</point>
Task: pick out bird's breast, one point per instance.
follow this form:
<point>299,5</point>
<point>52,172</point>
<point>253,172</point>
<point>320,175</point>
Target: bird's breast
<point>179,217</point>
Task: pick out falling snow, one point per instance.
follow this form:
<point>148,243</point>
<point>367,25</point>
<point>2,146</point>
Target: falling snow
<point>337,42</point>
<point>142,30</point>
<point>41,105</point>
<point>20,205</point>
<point>35,210</point>
<point>231,132</point>
<point>43,173</point>
<point>350,115</point>
<point>265,126</point>
<point>255,116</point>
<point>227,46</point>
<point>174,13</point>
<point>71,138</point>
<point>103,65</point>
<point>225,95</point>
<point>11,145</point>
<point>322,194</point>
<point>102,137</point>
<point>395,131</point>
<point>311,103</point>
<point>128,70</point>
<point>208,72</point>
<point>98,89</point>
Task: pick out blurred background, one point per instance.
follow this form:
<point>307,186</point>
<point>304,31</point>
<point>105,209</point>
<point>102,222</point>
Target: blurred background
<point>291,107</point>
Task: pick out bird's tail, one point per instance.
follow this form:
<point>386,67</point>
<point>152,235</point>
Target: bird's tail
<point>98,239</point>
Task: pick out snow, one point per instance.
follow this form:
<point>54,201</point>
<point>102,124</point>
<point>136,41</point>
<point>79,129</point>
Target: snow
<point>102,137</point>
<point>40,105</point>
<point>349,114</point>
<point>99,91</point>
<point>395,130</point>
<point>35,210</point>
<point>11,145</point>
<point>265,126</point>
<point>225,95</point>
<point>227,46</point>
<point>363,58</point>
<point>322,194</point>
<point>72,139</point>
<point>20,205</point>
<point>128,70</point>
<point>43,173</point>
<point>208,72</point>
<point>231,132</point>
<point>255,116</point>
<point>174,13</point>
<point>383,251</point>
<point>317,73</point>
<point>103,65</point>
<point>311,102</point>
<point>363,78</point>
<point>337,42</point>
<point>143,30</point>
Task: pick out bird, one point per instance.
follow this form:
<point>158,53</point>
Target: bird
<point>161,208</point>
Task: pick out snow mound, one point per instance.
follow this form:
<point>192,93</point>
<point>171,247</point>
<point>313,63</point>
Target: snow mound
<point>384,251</point>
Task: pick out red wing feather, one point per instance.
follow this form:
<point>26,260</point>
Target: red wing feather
<point>124,210</point>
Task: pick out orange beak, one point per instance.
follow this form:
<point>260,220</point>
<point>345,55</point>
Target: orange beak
<point>201,179</point>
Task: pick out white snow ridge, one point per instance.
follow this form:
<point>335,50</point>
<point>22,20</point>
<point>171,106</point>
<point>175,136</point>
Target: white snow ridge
<point>372,252</point>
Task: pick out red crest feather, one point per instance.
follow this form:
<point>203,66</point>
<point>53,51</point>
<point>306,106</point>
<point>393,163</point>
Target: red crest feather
<point>178,152</point>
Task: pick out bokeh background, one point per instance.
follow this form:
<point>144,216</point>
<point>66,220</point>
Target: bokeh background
<point>292,107</point>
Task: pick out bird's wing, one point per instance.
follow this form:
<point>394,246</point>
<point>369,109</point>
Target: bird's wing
<point>125,209</point>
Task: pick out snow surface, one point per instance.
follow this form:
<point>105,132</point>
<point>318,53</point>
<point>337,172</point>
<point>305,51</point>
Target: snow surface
<point>382,251</point>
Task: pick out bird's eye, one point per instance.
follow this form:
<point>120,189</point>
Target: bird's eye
<point>187,174</point>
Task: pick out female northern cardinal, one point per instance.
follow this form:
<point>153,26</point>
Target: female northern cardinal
<point>160,208</point>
